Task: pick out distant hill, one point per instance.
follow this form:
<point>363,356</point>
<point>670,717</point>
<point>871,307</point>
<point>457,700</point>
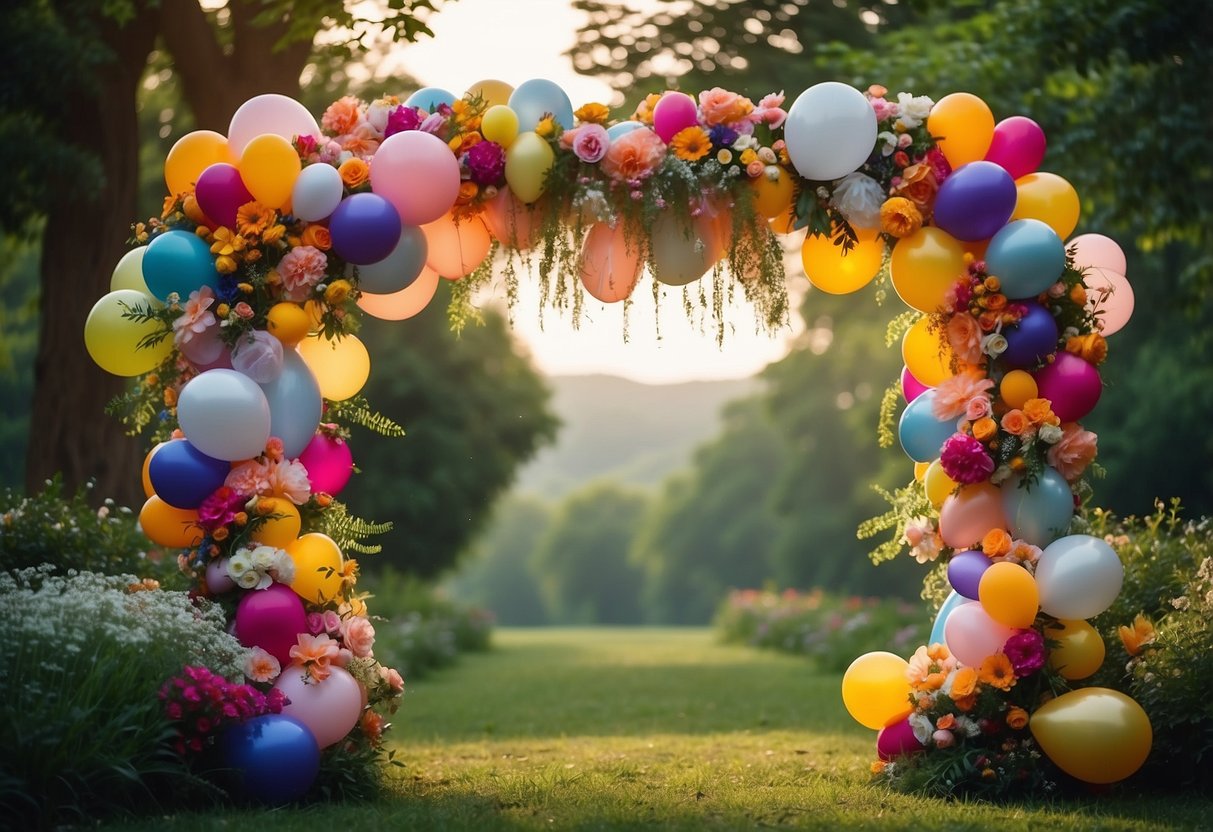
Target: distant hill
<point>625,431</point>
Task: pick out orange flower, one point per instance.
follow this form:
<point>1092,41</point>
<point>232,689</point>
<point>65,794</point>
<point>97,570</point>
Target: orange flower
<point>1079,294</point>
<point>878,766</point>
<point>994,301</point>
<point>997,671</point>
<point>269,236</point>
<point>592,113</point>
<point>354,172</point>
<point>984,429</point>
<point>720,106</point>
<point>546,128</point>
<point>945,722</point>
<point>316,236</point>
<point>964,683</point>
<point>918,185</point>
<point>1040,412</point>
<point>1017,719</point>
<point>170,397</point>
<point>1092,348</point>
<point>952,395</point>
<point>691,144</point>
<point>634,155</point>
<point>964,704</point>
<point>996,543</point>
<point>342,116</point>
<point>467,192</point>
<point>192,210</point>
<point>644,110</point>
<point>337,292</point>
<point>1137,636</point>
<point>372,726</point>
<point>900,217</point>
<point>252,218</point>
<point>964,337</point>
<point>314,653</point>
<point>1076,449</point>
<point>1015,422</point>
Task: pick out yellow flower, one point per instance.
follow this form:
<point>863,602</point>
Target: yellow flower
<point>748,155</point>
<point>691,144</point>
<point>592,113</point>
<point>337,292</point>
<point>644,112</point>
<point>252,218</point>
<point>225,264</point>
<point>222,310</point>
<point>247,288</point>
<point>1092,348</point>
<point>546,128</point>
<point>226,243</point>
<point>273,234</point>
<point>1137,636</point>
<point>997,672</point>
<point>964,683</point>
<point>900,217</point>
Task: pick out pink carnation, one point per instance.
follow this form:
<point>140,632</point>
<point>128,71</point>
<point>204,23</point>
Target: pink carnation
<point>221,507</point>
<point>300,270</point>
<point>1076,449</point>
<point>883,108</point>
<point>1026,650</point>
<point>196,318</point>
<point>953,394</point>
<point>249,478</point>
<point>965,460</point>
<point>770,111</point>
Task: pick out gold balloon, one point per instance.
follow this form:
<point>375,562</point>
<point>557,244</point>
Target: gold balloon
<point>269,167</point>
<point>174,528</point>
<point>924,266</point>
<point>288,322</point>
<point>773,196</point>
<point>493,92</point>
<point>278,532</point>
<point>317,567</point>
<point>1048,198</point>
<point>964,127</point>
<point>937,484</point>
<point>148,491</point>
<point>928,357</point>
<point>1079,650</point>
<point>875,690</point>
<point>1008,594</point>
<point>341,365</point>
<point>1097,735</point>
<point>193,153</point>
<point>829,269</point>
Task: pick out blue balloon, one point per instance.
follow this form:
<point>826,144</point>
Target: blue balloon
<point>537,97</point>
<point>295,405</point>
<point>1030,341</point>
<point>950,603</point>
<point>965,570</point>
<point>921,434</point>
<point>622,129</point>
<point>1027,256</point>
<point>274,758</point>
<point>399,269</point>
<point>183,476</point>
<point>178,261</point>
<point>975,201</point>
<point>365,228</point>
<point>1039,513</point>
<point>429,98</point>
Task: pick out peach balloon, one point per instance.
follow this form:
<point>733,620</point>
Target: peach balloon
<point>610,263</point>
<point>1110,296</point>
<point>514,223</point>
<point>969,514</point>
<point>403,304</point>
<point>1098,250</point>
<point>457,245</point>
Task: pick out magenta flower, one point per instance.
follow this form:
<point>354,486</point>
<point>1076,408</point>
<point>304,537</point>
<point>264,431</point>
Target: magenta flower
<point>220,508</point>
<point>486,163</point>
<point>1026,650</point>
<point>965,460</point>
<point>400,119</point>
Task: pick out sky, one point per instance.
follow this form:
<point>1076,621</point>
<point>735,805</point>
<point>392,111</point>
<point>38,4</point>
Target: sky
<point>516,41</point>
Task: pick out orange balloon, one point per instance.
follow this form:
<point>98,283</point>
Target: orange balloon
<point>341,365</point>
<point>963,125</point>
<point>924,266</point>
<point>269,167</point>
<point>610,263</point>
<point>970,513</point>
<point>783,223</point>
<point>832,271</point>
<point>773,196</point>
<point>456,246</point>
<point>403,304</point>
<point>190,155</point>
<point>148,491</point>
<point>928,357</point>
<point>277,531</point>
<point>1008,595</point>
<point>1017,387</point>
<point>875,690</point>
<point>514,223</point>
<point>1048,198</point>
<point>174,528</point>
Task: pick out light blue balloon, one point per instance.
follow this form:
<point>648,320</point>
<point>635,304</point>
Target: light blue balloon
<point>317,192</point>
<point>1027,256</point>
<point>950,603</point>
<point>399,269</point>
<point>1039,514</point>
<point>295,404</point>
<point>428,98</point>
<point>622,129</point>
<point>921,434</point>
<point>536,97</point>
<point>178,261</point>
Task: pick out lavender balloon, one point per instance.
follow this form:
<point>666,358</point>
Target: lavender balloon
<point>220,193</point>
<point>965,570</point>
<point>365,229</point>
<point>1032,340</point>
<point>975,201</point>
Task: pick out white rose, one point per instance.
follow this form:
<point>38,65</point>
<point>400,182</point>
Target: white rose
<point>238,564</point>
<point>377,115</point>
<point>889,142</point>
<point>284,568</point>
<point>264,557</point>
<point>994,344</point>
<point>921,725</point>
<point>1050,434</point>
<point>858,198</point>
<point>913,109</point>
<point>249,579</point>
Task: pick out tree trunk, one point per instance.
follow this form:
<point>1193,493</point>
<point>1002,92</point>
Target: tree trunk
<point>69,431</point>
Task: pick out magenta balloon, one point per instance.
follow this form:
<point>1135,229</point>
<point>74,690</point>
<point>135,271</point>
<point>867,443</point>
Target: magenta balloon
<point>1071,384</point>
<point>329,709</point>
<point>1018,146</point>
<point>897,740</point>
<point>911,388</point>
<point>1098,251</point>
<point>329,463</point>
<point>674,111</point>
<point>271,619</point>
<point>1111,296</point>
<point>270,113</point>
<point>220,193</point>
<point>972,636</point>
<point>418,174</point>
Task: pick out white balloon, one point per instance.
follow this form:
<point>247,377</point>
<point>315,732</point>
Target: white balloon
<point>830,131</point>
<point>317,192</point>
<point>225,415</point>
<point>294,403</point>
<point>1078,576</point>
<point>399,269</point>
<point>272,113</point>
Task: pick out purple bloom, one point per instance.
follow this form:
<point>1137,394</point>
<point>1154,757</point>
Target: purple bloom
<point>486,163</point>
<point>400,119</point>
<point>434,124</point>
<point>965,460</point>
<point>1026,650</point>
<point>722,135</point>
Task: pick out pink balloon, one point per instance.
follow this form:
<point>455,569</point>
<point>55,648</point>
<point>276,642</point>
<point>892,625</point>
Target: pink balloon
<point>970,513</point>
<point>1098,251</point>
<point>1071,384</point>
<point>911,388</point>
<point>272,619</point>
<point>610,263</point>
<point>1109,295</point>
<point>456,247</point>
<point>220,193</point>
<point>514,223</point>
<point>1018,146</point>
<point>329,709</point>
<point>329,463</point>
<point>206,350</point>
<point>269,113</point>
<point>897,740</point>
<point>418,174</point>
<point>972,636</point>
<point>403,304</point>
<point>674,111</point>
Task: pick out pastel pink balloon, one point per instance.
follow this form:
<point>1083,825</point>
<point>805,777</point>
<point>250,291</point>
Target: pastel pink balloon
<point>972,636</point>
<point>911,388</point>
<point>403,304</point>
<point>512,222</point>
<point>329,463</point>
<point>1098,251</point>
<point>418,174</point>
<point>1018,146</point>
<point>970,513</point>
<point>1071,384</point>
<point>1109,294</point>
<point>897,740</point>
<point>272,113</point>
<point>271,619</point>
<point>610,263</point>
<point>330,709</point>
<point>674,111</point>
<point>220,192</point>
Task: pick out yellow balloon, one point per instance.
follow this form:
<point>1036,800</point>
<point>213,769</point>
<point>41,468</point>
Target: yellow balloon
<point>1079,649</point>
<point>875,690</point>
<point>920,470</point>
<point>278,532</point>
<point>192,154</point>
<point>499,124</point>
<point>492,92</point>
<point>831,271</point>
<point>924,266</point>
<point>148,491</point>
<point>341,365</point>
<point>269,167</point>
<point>773,196</point>
<point>317,567</point>
<point>937,484</point>
<point>1097,735</point>
<point>527,163</point>
<point>1048,198</point>
<point>1008,594</point>
<point>113,341</point>
<point>175,528</point>
<point>1017,387</point>
<point>927,356</point>
<point>288,322</point>
<point>963,125</point>
<point>128,274</point>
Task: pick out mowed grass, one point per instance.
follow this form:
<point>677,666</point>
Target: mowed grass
<point>655,729</point>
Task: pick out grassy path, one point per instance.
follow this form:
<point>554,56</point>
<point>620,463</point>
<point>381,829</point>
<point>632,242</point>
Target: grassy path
<point>654,729</point>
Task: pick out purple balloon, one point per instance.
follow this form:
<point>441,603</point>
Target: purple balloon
<point>975,201</point>
<point>365,229</point>
<point>965,570</point>
<point>272,619</point>
<point>911,388</point>
<point>220,193</point>
<point>1018,146</point>
<point>1071,384</point>
<point>897,740</point>
<point>183,476</point>
<point>1032,340</point>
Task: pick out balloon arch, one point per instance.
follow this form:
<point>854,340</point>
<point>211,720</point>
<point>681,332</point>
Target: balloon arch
<point>235,308</point>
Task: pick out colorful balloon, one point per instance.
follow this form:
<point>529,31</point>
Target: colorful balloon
<point>680,249</point>
<point>1078,651</point>
<point>950,604</point>
<point>113,341</point>
<point>329,463</point>
<point>937,484</point>
<point>1098,251</point>
<point>492,92</point>
<point>269,167</point>
<point>128,274</point>
<point>365,228</point>
<point>400,268</point>
<point>269,113</point>
<point>190,155</point>
<point>1008,594</point>
<point>875,690</point>
<point>1109,297</point>
<point>1039,513</point>
<point>456,246</point>
<point>975,201</point>
<point>403,304</point>
<point>295,404</point>
<point>534,99</point>
<point>430,98</point>
<point>220,193</point>
<point>832,270</point>
<point>274,758</point>
<point>527,163</point>
<point>178,262</point>
<point>1072,385</point>
<point>288,322</point>
<point>272,619</point>
<point>972,635</point>
<point>225,415</point>
<point>897,740</point>
<point>499,124</point>
<point>774,196</point>
<point>1079,576</point>
<point>513,223</point>
<point>920,433</point>
<point>610,263</point>
<point>963,126</point>
<point>1017,146</point>
<point>965,570</point>
<point>830,131</point>
<point>924,266</point>
<point>1017,387</point>
<point>1031,341</point>
<point>183,476</point>
<point>317,192</point>
<point>928,358</point>
<point>174,528</point>
<point>282,523</point>
<point>1027,256</point>
<point>673,112</point>
<point>1096,735</point>
<point>341,365</point>
<point>258,355</point>
<point>970,513</point>
<point>418,174</point>
<point>317,568</point>
<point>911,388</point>
<point>1048,198</point>
<point>330,709</point>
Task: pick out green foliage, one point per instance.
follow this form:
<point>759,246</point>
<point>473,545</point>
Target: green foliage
<point>18,342</point>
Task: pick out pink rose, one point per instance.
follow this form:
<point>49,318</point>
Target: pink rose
<point>300,270</point>
<point>591,143</point>
<point>978,408</point>
<point>315,623</point>
<point>393,678</point>
<point>943,739</point>
<point>1076,449</point>
<point>720,106</point>
<point>358,634</point>
<point>249,478</point>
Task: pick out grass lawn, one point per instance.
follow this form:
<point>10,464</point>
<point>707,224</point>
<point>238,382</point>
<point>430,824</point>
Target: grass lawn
<point>654,729</point>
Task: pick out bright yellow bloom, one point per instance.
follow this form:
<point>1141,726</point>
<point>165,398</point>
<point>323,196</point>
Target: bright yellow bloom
<point>337,292</point>
<point>748,155</point>
<point>546,128</point>
<point>252,218</point>
<point>592,113</point>
<point>998,672</point>
<point>724,156</point>
<point>691,144</point>
<point>1137,636</point>
<point>900,217</point>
